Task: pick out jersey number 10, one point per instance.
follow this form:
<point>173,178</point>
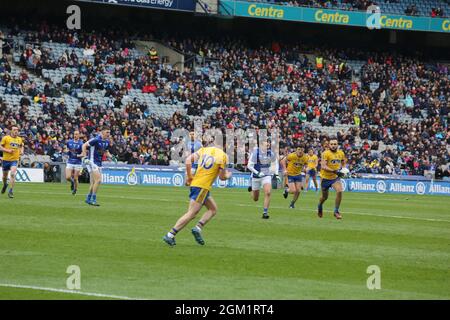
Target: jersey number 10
<point>207,162</point>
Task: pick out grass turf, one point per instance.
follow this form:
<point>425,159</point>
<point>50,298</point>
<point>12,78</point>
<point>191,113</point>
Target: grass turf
<point>293,255</point>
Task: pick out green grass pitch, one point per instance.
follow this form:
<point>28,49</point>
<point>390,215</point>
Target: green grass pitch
<point>293,255</point>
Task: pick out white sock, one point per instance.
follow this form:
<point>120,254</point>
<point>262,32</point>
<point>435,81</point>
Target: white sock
<point>198,228</point>
<point>170,235</point>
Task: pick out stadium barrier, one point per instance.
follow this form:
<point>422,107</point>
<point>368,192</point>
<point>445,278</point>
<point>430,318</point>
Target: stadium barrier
<point>330,16</point>
<point>28,175</point>
<point>175,177</point>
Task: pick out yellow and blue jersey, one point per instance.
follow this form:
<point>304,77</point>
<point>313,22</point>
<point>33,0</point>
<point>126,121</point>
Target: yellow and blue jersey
<point>312,162</point>
<point>15,144</point>
<point>295,164</point>
<point>211,160</point>
<point>334,161</point>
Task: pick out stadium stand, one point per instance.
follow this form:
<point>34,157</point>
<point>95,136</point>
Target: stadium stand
<point>389,111</point>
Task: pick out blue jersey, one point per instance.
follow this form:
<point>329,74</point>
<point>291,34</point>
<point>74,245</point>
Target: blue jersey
<point>262,161</point>
<point>193,147</point>
<point>98,147</point>
<point>75,148</point>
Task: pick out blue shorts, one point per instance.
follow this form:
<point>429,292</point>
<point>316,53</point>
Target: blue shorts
<point>199,195</point>
<point>312,172</point>
<point>298,178</point>
<point>326,184</point>
<point>8,164</point>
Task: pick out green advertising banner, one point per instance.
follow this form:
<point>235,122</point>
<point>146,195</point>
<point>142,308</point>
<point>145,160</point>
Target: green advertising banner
<point>337,17</point>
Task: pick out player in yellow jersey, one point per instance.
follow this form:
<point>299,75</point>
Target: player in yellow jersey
<point>332,161</point>
<point>12,147</point>
<point>293,165</point>
<point>212,162</point>
<point>313,162</point>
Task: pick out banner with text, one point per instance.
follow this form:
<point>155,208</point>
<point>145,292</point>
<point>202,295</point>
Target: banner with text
<point>176,178</point>
<point>183,5</point>
<point>329,16</point>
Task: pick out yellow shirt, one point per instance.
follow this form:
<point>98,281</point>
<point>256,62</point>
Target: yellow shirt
<point>295,164</point>
<point>14,144</point>
<point>211,160</point>
<point>312,161</point>
<point>334,161</point>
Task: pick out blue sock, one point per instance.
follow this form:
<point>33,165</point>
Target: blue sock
<point>94,197</point>
<point>266,210</point>
<point>336,209</point>
<point>88,198</point>
<point>319,206</point>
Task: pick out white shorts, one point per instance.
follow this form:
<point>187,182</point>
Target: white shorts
<point>92,167</point>
<point>77,167</point>
<point>258,182</point>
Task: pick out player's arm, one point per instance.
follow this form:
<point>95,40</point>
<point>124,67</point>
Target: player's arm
<point>251,165</point>
<point>189,161</point>
<point>224,174</point>
<point>324,166</point>
<point>2,146</point>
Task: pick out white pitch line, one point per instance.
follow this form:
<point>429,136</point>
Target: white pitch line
<point>275,207</point>
<point>92,294</point>
<point>365,214</point>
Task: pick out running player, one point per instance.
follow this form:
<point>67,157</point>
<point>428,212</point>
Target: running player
<point>313,162</point>
<point>98,147</point>
<point>74,148</point>
<point>259,164</point>
<point>293,165</point>
<point>212,163</point>
<point>331,162</point>
<point>12,147</point>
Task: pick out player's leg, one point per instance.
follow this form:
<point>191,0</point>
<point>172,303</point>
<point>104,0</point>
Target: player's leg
<point>193,209</point>
<point>12,179</point>
<point>76,175</point>
<point>315,183</point>
<point>267,188</point>
<point>308,178</point>
<point>286,186</point>
<point>297,187</point>
<point>69,175</point>
<point>5,177</point>
<point>338,187</point>
<point>211,205</point>
<point>323,197</point>
<point>256,185</point>
<point>97,175</point>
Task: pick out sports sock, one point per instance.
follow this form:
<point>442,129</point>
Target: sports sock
<point>319,206</point>
<point>336,209</point>
<point>199,226</point>
<point>94,197</point>
<point>89,196</point>
<point>172,233</point>
<point>266,211</point>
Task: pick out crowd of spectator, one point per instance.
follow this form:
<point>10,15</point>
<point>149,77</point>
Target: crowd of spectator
<point>271,86</point>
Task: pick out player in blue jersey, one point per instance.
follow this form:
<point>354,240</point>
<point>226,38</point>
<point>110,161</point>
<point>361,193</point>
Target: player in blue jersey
<point>259,164</point>
<point>97,147</point>
<point>74,148</point>
<point>192,147</point>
